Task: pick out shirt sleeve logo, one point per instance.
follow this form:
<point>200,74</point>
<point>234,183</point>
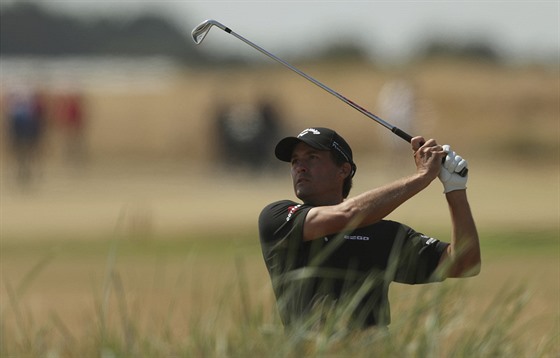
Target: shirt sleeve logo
<point>292,210</point>
<point>429,240</point>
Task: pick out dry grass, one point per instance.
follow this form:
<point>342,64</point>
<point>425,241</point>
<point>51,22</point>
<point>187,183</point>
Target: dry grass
<point>185,297</point>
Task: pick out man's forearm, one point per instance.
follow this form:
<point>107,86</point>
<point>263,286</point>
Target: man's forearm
<point>364,209</point>
<point>376,204</point>
<point>463,255</point>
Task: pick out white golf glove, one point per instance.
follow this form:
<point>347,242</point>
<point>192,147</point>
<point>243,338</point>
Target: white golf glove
<point>448,174</point>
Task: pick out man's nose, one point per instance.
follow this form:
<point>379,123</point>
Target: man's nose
<point>299,167</point>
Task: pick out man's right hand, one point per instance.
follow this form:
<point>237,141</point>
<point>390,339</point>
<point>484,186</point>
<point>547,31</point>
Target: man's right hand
<point>428,156</point>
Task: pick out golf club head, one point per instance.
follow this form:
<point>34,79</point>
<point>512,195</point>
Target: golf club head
<point>199,32</point>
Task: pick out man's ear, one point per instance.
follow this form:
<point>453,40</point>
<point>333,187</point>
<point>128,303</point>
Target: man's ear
<point>346,170</point>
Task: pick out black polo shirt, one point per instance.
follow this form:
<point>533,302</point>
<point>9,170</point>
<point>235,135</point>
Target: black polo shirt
<point>347,272</point>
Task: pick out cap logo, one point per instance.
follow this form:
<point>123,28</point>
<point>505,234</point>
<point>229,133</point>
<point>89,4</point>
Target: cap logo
<point>341,151</point>
<point>305,131</point>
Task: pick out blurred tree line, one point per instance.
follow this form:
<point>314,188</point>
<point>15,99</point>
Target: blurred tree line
<point>29,29</point>
<point>26,28</point>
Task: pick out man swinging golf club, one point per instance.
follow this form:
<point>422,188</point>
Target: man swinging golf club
<point>330,257</point>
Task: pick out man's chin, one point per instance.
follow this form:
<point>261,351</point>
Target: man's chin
<point>301,194</point>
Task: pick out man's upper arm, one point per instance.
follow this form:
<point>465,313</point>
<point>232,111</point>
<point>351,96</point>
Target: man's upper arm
<point>419,258</point>
<point>322,221</point>
<point>280,217</point>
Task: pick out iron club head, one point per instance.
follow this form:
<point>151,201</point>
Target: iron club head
<point>199,32</point>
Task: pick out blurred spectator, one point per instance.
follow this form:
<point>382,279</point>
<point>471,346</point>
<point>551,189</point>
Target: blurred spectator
<point>246,134</point>
<point>26,127</point>
<point>397,104</point>
<point>73,122</point>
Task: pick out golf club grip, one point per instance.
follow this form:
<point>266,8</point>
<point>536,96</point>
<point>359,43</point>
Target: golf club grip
<point>463,172</point>
<point>408,138</point>
<point>402,134</point>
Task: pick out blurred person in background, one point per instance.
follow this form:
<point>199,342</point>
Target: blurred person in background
<point>245,133</point>
<point>397,102</point>
<point>330,257</point>
<point>26,115</point>
<point>72,119</point>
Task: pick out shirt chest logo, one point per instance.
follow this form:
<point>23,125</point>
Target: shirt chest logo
<point>356,237</point>
<point>351,237</point>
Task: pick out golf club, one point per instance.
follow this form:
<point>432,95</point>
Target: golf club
<point>200,32</point>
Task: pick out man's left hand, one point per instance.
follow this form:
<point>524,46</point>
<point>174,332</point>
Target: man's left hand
<point>448,174</point>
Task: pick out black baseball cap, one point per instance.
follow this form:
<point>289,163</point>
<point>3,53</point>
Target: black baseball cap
<point>318,138</point>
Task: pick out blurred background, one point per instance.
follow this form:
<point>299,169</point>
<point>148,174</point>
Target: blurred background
<point>94,91</point>
<point>112,119</point>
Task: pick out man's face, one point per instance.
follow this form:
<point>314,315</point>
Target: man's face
<point>316,178</point>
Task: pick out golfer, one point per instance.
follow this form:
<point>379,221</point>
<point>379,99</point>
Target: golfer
<point>330,257</point>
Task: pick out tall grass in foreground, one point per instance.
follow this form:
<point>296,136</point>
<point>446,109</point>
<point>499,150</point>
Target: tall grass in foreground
<point>435,325</point>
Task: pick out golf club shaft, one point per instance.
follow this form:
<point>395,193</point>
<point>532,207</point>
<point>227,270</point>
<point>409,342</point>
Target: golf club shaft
<point>201,30</point>
<point>352,104</point>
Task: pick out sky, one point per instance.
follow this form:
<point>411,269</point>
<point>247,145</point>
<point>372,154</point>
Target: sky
<point>389,29</point>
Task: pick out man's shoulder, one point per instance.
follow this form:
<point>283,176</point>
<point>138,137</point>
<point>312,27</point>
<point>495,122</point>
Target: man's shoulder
<point>279,208</point>
<point>280,203</point>
<point>280,216</point>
